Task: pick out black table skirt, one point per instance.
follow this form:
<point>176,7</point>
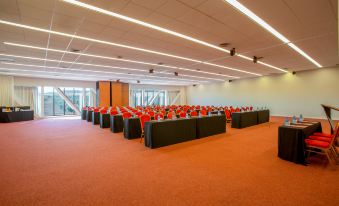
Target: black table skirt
<point>132,128</point>
<point>89,116</point>
<point>95,118</point>
<point>244,119</point>
<point>168,132</point>
<point>291,144</point>
<point>116,123</point>
<point>83,114</point>
<point>6,117</point>
<point>104,120</point>
<point>263,116</point>
<point>211,125</point>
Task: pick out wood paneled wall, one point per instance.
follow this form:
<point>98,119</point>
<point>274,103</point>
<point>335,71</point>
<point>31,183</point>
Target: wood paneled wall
<point>112,94</point>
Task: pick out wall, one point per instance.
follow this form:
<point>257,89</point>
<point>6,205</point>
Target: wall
<point>284,95</point>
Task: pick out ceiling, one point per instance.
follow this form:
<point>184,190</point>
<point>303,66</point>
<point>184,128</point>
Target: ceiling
<point>311,25</point>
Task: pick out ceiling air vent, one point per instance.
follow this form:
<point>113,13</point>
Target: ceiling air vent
<point>224,44</point>
<point>75,50</point>
<point>2,59</point>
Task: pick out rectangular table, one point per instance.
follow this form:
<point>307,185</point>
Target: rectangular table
<point>291,144</point>
<point>132,128</point>
<point>244,119</point>
<point>168,132</point>
<point>210,125</point>
<point>263,116</point>
<point>104,120</point>
<point>116,123</point>
<point>95,118</point>
<point>83,114</point>
<point>6,117</point>
<point>89,116</point>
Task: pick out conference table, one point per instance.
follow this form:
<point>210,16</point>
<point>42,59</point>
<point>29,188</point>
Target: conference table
<point>89,115</point>
<point>104,120</point>
<point>18,116</point>
<point>132,128</point>
<point>83,114</point>
<point>250,118</point>
<point>291,144</point>
<point>172,131</point>
<point>96,118</point>
<point>116,123</point>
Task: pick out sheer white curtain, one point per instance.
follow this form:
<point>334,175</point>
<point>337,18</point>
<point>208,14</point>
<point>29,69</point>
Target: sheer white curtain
<point>26,96</point>
<point>6,90</point>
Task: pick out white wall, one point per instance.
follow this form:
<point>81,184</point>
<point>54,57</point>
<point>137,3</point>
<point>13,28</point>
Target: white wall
<point>284,95</point>
<point>29,82</point>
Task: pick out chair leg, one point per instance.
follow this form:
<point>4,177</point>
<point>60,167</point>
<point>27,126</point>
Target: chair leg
<point>329,157</point>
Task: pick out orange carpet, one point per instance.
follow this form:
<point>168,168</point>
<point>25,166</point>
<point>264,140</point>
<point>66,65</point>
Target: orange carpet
<point>71,162</point>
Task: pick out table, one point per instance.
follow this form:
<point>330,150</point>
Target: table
<point>132,128</point>
<point>263,116</point>
<point>291,144</point>
<point>104,120</point>
<point>6,117</point>
<point>244,119</point>
<point>96,118</point>
<point>89,116</point>
<point>83,114</point>
<point>210,125</point>
<point>116,123</point>
<point>216,112</point>
<point>168,132</point>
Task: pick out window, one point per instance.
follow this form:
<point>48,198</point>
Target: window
<point>147,97</point>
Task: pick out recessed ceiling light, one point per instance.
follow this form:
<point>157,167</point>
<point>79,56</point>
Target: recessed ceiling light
<point>152,26</point>
<point>269,28</point>
<point>121,45</point>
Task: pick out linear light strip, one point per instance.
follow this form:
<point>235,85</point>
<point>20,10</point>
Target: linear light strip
<point>111,58</point>
<point>105,66</point>
<point>84,70</point>
<point>270,29</point>
<point>108,43</point>
<point>81,75</point>
<point>158,28</point>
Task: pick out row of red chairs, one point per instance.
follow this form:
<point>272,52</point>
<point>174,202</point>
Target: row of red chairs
<point>323,143</point>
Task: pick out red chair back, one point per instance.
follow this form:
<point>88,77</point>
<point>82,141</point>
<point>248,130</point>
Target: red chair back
<point>203,112</point>
<point>194,113</point>
<point>126,115</point>
<point>144,118</point>
<point>169,115</point>
<point>103,111</point>
<point>182,114</point>
<point>151,113</point>
<point>228,114</point>
<point>96,110</point>
<point>237,110</point>
<point>113,112</point>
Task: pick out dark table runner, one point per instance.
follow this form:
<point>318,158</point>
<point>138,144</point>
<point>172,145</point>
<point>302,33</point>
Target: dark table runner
<point>210,125</point>
<point>291,144</point>
<point>89,116</point>
<point>83,114</point>
<point>168,132</point>
<point>104,120</point>
<point>263,116</point>
<point>95,118</point>
<point>132,128</point>
<point>6,117</point>
<point>244,119</point>
<point>116,123</point>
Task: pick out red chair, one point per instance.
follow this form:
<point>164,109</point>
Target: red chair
<point>228,115</point>
<point>203,112</point>
<point>126,115</point>
<point>251,108</point>
<point>182,114</point>
<point>323,136</point>
<point>113,112</point>
<point>138,114</point>
<point>158,116</point>
<point>96,110</point>
<point>194,113</point>
<point>144,118</point>
<point>103,111</point>
<point>178,111</point>
<point>324,147</point>
<point>170,115</point>
<point>151,113</point>
<point>237,110</point>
